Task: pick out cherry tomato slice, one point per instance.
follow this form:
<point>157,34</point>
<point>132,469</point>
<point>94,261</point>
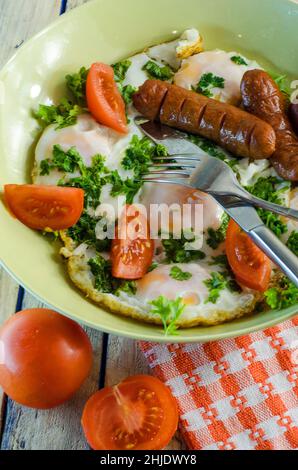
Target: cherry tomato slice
<point>104,99</point>
<point>44,358</point>
<point>42,207</point>
<point>138,414</point>
<point>132,249</point>
<point>250,265</point>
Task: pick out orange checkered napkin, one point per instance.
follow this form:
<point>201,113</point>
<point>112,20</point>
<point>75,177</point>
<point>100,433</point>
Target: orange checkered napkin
<point>235,394</point>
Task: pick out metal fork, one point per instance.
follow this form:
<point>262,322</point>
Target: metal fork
<point>187,165</point>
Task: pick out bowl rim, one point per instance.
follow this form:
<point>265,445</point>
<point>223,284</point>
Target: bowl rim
<point>279,317</point>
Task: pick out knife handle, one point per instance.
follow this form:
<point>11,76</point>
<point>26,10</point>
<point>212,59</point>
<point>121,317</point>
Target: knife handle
<point>276,251</point>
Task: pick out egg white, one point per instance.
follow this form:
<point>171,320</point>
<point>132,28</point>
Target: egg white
<point>220,64</point>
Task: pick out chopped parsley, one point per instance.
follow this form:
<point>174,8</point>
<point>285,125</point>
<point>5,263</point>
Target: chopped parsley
<point>129,287</point>
<point>127,91</point>
<point>169,311</point>
<point>104,281</point>
<point>91,180</point>
<point>153,266</point>
<point>179,275</point>
<point>283,83</point>
<point>283,296</point>
<point>120,70</point>
<point>216,237</point>
<point>237,59</point>
<point>177,252</point>
<point>140,153</point>
<point>215,285</point>
<point>156,71</point>
<point>220,260</point>
<point>68,162</point>
<point>218,282</point>
<point>207,82</point>
<point>76,83</point>
<point>128,187</point>
<point>84,232</point>
<point>292,242</point>
<point>64,115</point>
<point>266,188</point>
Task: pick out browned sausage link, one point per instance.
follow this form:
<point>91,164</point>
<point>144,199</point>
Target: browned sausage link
<point>235,130</point>
<point>262,97</point>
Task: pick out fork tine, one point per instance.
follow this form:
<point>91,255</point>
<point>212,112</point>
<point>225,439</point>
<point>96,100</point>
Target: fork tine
<point>177,157</point>
<point>168,172</point>
<point>180,182</point>
<point>173,165</point>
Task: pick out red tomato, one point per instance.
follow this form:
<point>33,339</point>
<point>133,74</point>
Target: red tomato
<point>45,358</point>
<point>42,207</point>
<point>132,250</point>
<point>104,99</point>
<point>250,265</point>
<point>138,414</point>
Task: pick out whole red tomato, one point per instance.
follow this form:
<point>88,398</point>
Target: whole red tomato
<point>44,358</point>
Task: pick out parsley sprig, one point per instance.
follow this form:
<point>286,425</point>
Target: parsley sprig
<point>207,83</point>
<point>76,83</point>
<point>169,311</point>
<point>179,275</point>
<point>269,190</point>
<point>282,296</point>
<point>63,115</point>
<point>177,252</point>
<point>237,59</point>
<point>216,237</point>
<point>159,72</point>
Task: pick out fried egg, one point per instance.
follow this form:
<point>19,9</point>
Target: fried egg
<point>90,138</point>
<point>218,63</point>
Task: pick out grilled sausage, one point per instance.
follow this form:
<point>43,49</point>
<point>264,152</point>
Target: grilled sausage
<point>235,130</point>
<point>262,97</point>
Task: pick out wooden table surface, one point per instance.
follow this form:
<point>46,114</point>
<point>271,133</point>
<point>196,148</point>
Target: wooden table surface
<point>114,357</point>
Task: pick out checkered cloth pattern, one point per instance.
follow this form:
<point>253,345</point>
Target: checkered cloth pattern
<point>234,394</point>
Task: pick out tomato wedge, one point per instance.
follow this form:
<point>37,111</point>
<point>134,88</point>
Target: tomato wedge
<point>45,207</point>
<point>104,99</point>
<point>138,414</point>
<point>250,265</point>
<point>132,249</point>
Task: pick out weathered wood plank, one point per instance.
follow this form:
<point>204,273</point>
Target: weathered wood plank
<point>21,19</point>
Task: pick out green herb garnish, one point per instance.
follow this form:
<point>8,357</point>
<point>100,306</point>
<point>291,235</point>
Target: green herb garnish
<point>68,162</point>
<point>140,154</point>
<point>177,251</point>
<point>76,83</point>
<point>207,82</point>
<point>283,296</point>
<point>169,312</point>
<point>216,284</point>
<point>292,242</point>
<point>156,71</point>
<point>237,59</point>
<point>266,188</point>
<point>84,232</point>
<point>120,70</point>
<point>179,275</point>
<point>64,115</point>
<point>216,237</point>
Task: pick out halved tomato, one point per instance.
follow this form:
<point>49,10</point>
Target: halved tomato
<point>138,414</point>
<point>250,265</point>
<point>45,207</point>
<point>132,249</point>
<point>104,99</point>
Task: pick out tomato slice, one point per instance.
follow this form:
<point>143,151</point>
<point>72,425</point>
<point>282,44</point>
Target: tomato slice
<point>45,207</point>
<point>250,265</point>
<point>138,414</point>
<point>132,249</point>
<point>104,99</point>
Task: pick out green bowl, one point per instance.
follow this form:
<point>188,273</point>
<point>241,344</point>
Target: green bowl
<point>107,31</point>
